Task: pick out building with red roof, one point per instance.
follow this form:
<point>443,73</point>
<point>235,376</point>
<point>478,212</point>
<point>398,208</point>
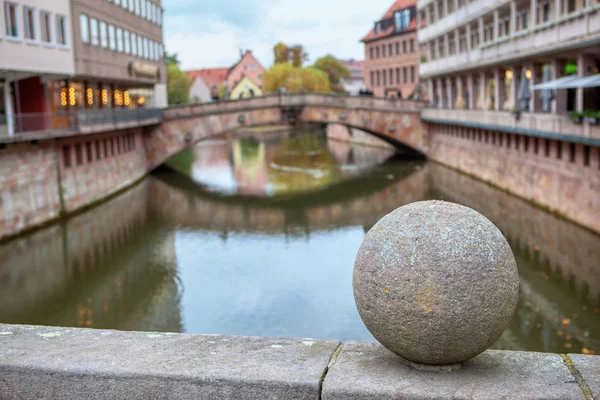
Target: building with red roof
<point>355,83</point>
<point>392,53</point>
<point>207,83</point>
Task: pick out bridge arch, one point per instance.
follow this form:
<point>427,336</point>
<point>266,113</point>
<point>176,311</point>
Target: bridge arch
<point>396,121</point>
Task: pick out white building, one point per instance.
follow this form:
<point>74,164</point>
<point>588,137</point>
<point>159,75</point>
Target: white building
<point>356,81</point>
<point>35,48</point>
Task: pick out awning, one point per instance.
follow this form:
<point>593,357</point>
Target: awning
<point>570,82</point>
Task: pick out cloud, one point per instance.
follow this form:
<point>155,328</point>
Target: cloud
<point>210,33</point>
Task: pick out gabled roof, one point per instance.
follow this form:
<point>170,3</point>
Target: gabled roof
<point>397,6</point>
<point>210,76</point>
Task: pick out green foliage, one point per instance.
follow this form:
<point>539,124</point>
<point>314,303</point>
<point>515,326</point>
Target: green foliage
<point>298,56</point>
<point>178,82</point>
<point>293,79</point>
<point>335,71</point>
<point>281,53</point>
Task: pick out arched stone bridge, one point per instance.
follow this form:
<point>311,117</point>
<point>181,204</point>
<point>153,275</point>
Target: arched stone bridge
<point>396,121</point>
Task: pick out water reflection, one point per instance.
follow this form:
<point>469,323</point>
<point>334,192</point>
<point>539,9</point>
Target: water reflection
<point>195,253</point>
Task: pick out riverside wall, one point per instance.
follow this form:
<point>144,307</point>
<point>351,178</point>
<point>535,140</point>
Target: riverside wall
<point>51,362</point>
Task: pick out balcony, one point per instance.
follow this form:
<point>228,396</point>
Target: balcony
<point>576,30</point>
<point>470,12</point>
<point>535,124</point>
<point>43,125</point>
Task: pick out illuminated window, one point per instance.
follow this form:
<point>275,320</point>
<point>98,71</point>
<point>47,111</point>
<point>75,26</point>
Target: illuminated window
<point>63,97</point>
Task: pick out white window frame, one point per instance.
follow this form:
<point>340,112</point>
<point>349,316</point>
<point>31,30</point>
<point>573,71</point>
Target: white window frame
<point>120,45</point>
<point>62,18</point>
<point>134,44</point>
<point>7,4</point>
<point>83,16</point>
<point>94,40</point>
<point>112,37</point>
<point>127,41</point>
<point>44,28</point>
<point>29,26</point>
<point>103,35</point>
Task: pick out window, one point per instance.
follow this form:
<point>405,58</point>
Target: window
<point>148,10</point>
<point>94,33</point>
<point>412,45</point>
<point>397,75</point>
<point>391,75</point>
<point>143,8</point>
<point>85,28</point>
<point>405,74</point>
<point>112,42</point>
<point>384,77</point>
<point>159,15</point>
<point>377,27</point>
<point>390,50</point>
<point>10,16</point>
<point>138,7</point>
<point>397,48</point>
<point>571,6</point>
<point>372,78</point>
<point>146,48</point>
<point>125,4</point>
<point>67,156</point>
<point>61,30</point>
<point>404,46</point>
<point>151,50</point>
<point>119,40</point>
<point>378,78</point>
<point>132,6</point>
<point>127,40</point>
<point>134,46</point>
<point>406,18</point>
<point>29,19</point>
<point>546,12</point>
<point>371,53</point>
<point>118,2</point>
<point>103,34</point>
<point>398,20</point>
<point>140,46</point>
<point>383,50</point>
<point>46,28</point>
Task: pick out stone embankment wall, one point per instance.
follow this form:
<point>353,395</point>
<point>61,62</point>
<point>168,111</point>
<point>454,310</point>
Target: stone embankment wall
<point>42,180</point>
<point>107,364</point>
<point>560,176</point>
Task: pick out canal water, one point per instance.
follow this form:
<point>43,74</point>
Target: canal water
<point>257,235</point>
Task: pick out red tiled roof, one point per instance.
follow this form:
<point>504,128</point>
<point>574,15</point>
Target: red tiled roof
<point>357,68</point>
<point>398,5</point>
<point>210,76</point>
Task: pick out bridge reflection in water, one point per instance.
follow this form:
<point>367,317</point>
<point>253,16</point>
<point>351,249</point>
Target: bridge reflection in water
<point>258,237</point>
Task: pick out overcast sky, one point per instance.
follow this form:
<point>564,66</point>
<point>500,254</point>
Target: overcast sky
<point>210,33</point>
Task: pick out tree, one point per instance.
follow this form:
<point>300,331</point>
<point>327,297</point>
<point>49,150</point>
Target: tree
<point>178,82</point>
<point>295,79</point>
<point>282,53</point>
<point>298,56</point>
<point>335,71</point>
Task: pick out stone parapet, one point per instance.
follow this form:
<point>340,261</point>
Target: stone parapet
<point>51,362</point>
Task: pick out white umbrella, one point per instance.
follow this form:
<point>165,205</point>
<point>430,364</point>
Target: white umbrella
<point>524,94</point>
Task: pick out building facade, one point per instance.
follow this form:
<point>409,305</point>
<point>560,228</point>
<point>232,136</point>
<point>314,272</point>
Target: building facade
<point>36,47</point>
<point>509,82</point>
<point>355,83</point>
<point>391,53</point>
<point>206,84</point>
<point>118,49</point>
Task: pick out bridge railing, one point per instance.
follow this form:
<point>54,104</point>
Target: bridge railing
<point>295,99</point>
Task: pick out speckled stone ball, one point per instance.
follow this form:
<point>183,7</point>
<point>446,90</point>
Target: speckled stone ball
<point>435,282</point>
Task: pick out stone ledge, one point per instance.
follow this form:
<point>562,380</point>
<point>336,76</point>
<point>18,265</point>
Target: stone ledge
<point>58,363</point>
<point>49,362</point>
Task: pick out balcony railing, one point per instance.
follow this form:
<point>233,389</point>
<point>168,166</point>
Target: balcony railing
<point>537,124</point>
<point>84,121</point>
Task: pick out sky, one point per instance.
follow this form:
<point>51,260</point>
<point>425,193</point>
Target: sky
<point>210,33</point>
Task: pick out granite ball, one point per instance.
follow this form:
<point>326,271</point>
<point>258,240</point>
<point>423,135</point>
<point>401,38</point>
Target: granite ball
<point>435,282</point>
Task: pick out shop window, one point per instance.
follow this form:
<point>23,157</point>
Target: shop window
<point>67,156</point>
<point>61,30</point>
<point>45,23</point>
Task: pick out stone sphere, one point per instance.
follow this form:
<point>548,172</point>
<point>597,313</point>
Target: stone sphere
<point>435,282</point>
